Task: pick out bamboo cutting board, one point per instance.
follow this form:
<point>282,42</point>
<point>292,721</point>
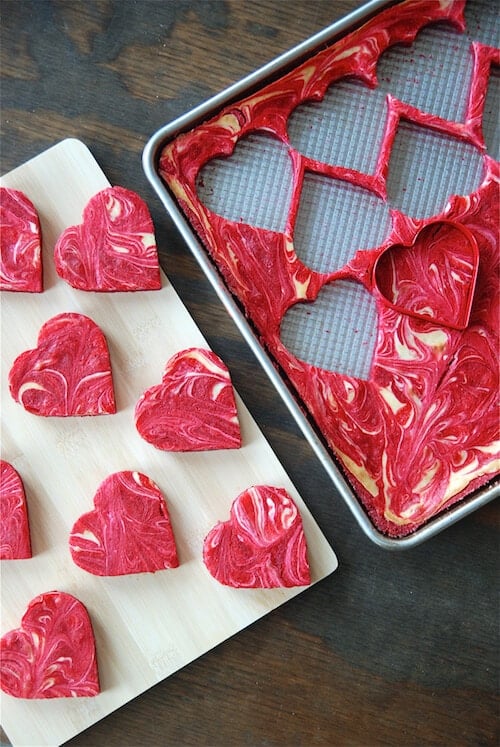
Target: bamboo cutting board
<point>147,626</point>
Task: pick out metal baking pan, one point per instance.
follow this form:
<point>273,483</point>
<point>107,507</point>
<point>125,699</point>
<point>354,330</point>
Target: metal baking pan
<point>151,154</point>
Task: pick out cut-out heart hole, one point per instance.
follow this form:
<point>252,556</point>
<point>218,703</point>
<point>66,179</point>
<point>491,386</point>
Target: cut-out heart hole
<point>337,332</point>
<point>193,409</point>
<point>413,75</point>
<point>253,185</point>
<point>68,373</point>
<point>426,167</point>
<point>434,278</point>
<point>128,531</point>
<point>113,249</point>
<point>52,654</point>
<point>491,130</point>
<point>262,545</point>
<point>344,129</point>
<point>14,527</point>
<point>325,235</point>
<point>20,243</point>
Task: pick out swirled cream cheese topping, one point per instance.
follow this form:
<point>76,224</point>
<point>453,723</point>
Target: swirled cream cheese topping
<point>15,542</point>
<point>113,249</point>
<point>261,545</point>
<point>193,409</point>
<point>128,531</point>
<point>416,435</point>
<point>20,243</point>
<point>68,373</point>
<point>52,654</point>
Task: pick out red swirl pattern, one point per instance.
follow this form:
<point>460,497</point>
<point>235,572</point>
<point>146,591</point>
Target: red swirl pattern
<point>193,409</point>
<point>113,249</point>
<point>68,373</point>
<point>434,278</point>
<point>15,542</point>
<point>422,432</point>
<point>20,243</point>
<point>129,530</point>
<point>262,545</point>
<point>52,654</point>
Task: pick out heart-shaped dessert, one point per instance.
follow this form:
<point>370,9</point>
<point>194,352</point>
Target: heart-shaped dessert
<point>68,373</point>
<point>114,249</point>
<point>129,530</point>
<point>52,654</point>
<point>262,545</point>
<point>15,541</point>
<point>434,278</point>
<point>193,409</point>
<point>20,243</point>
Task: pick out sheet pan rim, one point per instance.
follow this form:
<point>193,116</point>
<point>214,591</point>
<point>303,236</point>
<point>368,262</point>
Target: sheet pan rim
<point>150,158</point>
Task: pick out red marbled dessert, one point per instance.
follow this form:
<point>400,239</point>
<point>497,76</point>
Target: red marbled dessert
<point>420,432</point>
<point>193,409</point>
<point>113,249</point>
<point>262,545</point>
<point>15,542</point>
<point>129,530</point>
<point>20,243</point>
<point>68,373</point>
<point>52,654</point>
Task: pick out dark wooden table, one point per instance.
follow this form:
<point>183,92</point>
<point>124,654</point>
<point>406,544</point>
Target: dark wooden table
<point>392,649</point>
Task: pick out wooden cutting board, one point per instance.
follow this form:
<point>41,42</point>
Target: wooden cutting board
<point>147,626</point>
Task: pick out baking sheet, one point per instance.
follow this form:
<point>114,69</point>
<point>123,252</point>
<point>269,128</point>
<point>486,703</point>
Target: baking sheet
<point>147,626</point>
<point>228,188</point>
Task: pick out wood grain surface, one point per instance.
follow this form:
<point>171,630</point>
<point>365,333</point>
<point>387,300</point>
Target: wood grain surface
<point>147,625</point>
<point>394,648</point>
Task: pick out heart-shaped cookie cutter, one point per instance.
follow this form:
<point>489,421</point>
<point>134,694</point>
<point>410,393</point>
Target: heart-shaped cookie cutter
<point>432,278</point>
